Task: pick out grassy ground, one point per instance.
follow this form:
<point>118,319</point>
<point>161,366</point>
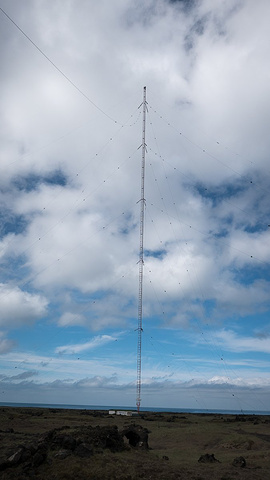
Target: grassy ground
<point>176,442</point>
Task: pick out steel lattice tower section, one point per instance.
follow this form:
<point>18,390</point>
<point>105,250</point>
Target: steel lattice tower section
<point>141,261</point>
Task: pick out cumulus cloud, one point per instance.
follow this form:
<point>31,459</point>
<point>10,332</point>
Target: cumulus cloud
<point>75,234</point>
<point>20,307</point>
<point>5,344</point>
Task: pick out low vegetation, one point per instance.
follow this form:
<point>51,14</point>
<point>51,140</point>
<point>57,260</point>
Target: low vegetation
<point>58,444</point>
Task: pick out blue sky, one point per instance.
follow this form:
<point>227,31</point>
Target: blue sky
<point>69,202</point>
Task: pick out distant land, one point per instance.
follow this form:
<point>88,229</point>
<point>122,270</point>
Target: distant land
<point>143,409</point>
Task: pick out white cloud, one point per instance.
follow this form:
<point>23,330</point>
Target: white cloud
<point>68,319</point>
<point>236,343</point>
<point>95,342</point>
<point>241,382</point>
<point>19,307</point>
<point>6,345</point>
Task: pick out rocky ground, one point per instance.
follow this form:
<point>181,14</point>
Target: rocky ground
<point>56,444</point>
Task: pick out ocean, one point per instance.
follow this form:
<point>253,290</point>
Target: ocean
<point>143,409</point>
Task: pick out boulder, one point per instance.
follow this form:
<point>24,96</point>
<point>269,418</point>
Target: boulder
<point>3,464</point>
<point>84,450</point>
<point>67,442</point>
<point>103,437</point>
<point>239,462</point>
<point>62,454</point>
<point>38,459</point>
<point>208,458</point>
<point>137,436</point>
<point>15,458</point>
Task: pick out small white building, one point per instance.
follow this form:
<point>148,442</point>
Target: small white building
<point>127,413</point>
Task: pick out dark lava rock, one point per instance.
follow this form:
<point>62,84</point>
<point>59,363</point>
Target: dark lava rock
<point>46,437</point>
<point>38,459</point>
<point>62,454</point>
<point>41,446</point>
<point>84,442</point>
<point>103,437</point>
<point>239,462</point>
<point>31,454</point>
<point>114,440</point>
<point>16,457</point>
<point>65,441</point>
<point>84,450</point>
<point>208,458</point>
<point>3,465</point>
<point>32,448</point>
<point>137,436</point>
<point>26,455</point>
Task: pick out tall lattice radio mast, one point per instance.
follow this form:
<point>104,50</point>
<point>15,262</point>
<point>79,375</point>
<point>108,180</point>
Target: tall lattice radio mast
<point>141,261</point>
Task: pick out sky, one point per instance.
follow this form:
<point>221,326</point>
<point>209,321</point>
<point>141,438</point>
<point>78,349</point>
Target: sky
<point>72,79</point>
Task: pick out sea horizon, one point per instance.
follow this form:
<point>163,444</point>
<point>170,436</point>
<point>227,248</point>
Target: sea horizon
<point>130,408</point>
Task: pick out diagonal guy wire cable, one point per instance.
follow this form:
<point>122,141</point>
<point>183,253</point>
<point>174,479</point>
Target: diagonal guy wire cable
<point>57,68</point>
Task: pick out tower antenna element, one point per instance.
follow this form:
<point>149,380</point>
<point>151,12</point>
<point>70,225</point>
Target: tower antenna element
<point>141,260</point>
